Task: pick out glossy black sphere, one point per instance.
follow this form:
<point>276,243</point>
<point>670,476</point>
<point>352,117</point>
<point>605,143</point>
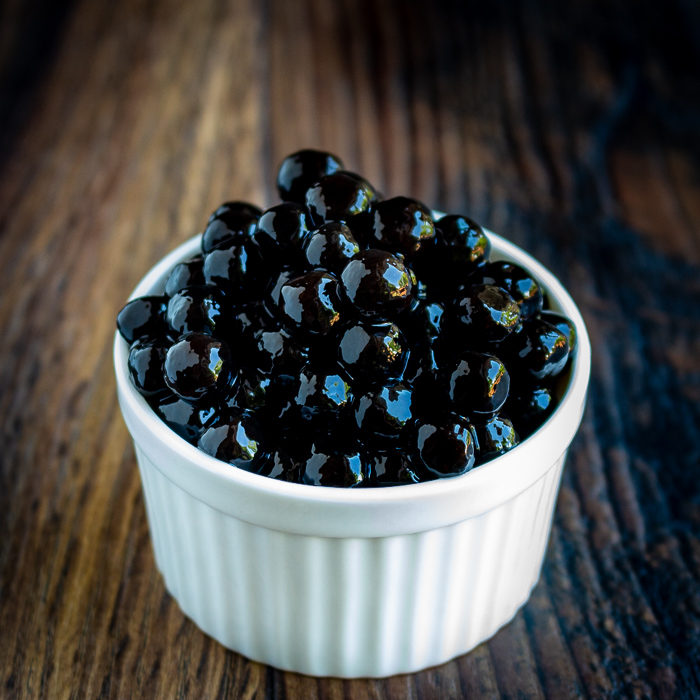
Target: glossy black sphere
<point>394,468</point>
<point>383,413</point>
<point>377,284</point>
<point>335,466</point>
<point>254,317</point>
<point>487,314</point>
<point>322,398</point>
<point>310,305</point>
<point>337,197</point>
<point>236,438</point>
<point>518,282</point>
<point>282,230</point>
<point>463,241</point>
<point>476,383</point>
<point>146,367</point>
<point>330,247</point>
<point>281,466</point>
<point>277,353</point>
<point>199,368</point>
<point>564,325</point>
<point>373,353</point>
<point>185,274</point>
<point>444,445</point>
<point>252,388</point>
<point>272,298</point>
<point>493,438</point>
<point>421,373</point>
<point>187,420</point>
<point>529,409</point>
<point>232,222</point>
<point>401,225</point>
<point>422,321</point>
<point>301,170</point>
<point>143,318</point>
<point>197,309</point>
<point>374,195</point>
<point>538,351</point>
<point>239,271</point>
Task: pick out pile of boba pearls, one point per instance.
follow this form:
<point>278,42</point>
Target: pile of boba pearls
<point>342,339</point>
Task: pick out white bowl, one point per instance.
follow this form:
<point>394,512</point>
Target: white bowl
<point>344,582</point>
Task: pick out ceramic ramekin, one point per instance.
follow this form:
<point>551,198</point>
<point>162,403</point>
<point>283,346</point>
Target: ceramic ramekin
<point>344,582</point>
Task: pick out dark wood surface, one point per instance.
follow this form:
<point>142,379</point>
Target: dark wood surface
<point>573,129</point>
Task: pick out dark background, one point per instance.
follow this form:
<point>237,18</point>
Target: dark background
<point>571,128</point>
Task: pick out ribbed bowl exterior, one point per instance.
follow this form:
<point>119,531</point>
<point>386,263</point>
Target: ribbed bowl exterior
<point>352,582</point>
<point>348,607</point>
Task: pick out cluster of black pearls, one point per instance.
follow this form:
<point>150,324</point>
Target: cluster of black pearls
<point>341,339</point>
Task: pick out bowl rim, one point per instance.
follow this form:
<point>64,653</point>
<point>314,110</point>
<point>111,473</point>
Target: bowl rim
<point>373,512</point>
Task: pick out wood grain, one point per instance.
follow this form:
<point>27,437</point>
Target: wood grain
<point>573,129</point>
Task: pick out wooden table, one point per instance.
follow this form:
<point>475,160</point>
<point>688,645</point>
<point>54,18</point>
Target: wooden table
<point>572,129</point>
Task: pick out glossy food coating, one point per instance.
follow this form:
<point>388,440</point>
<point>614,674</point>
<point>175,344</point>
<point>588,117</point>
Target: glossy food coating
<point>338,339</point>
<point>232,222</point>
<point>310,304</point>
<point>336,467</point>
<point>493,438</point>
<point>444,445</point>
<point>330,247</point>
<point>282,229</point>
<point>281,466</point>
<point>518,282</point>
<point>142,318</point>
<point>196,309</point>
<point>476,383</point>
<point>146,367</point>
<point>488,314</point>
<point>377,284</point>
<point>529,409</point>
<point>302,169</point>
<point>188,420</point>
<point>185,274</point>
<point>337,197</point>
<point>563,325</point>
<point>371,353</point>
<point>537,352</point>
<point>466,241</point>
<point>383,413</point>
<point>236,438</point>
<point>394,468</point>
<point>199,367</point>
<point>401,225</point>
<point>238,270</point>
<point>321,397</point>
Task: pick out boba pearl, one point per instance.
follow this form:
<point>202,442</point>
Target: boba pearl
<point>143,318</point>
<point>232,222</point>
<point>335,466</point>
<point>196,309</point>
<point>444,445</point>
<point>373,353</point>
<point>310,304</point>
<point>199,367</point>
<point>377,284</point>
<point>303,169</point>
<point>494,438</point>
<point>401,225</point>
<point>488,314</point>
<point>237,438</point>
<point>383,413</point>
<point>337,197</point>
<point>476,383</point>
<point>330,247</point>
